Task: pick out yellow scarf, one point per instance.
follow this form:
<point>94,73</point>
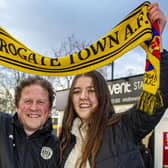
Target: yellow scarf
<point>132,31</point>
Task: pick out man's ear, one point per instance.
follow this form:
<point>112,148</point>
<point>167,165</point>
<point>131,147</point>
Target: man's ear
<point>17,109</point>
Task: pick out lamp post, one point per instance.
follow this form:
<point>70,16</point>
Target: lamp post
<point>68,81</point>
<point>112,70</point>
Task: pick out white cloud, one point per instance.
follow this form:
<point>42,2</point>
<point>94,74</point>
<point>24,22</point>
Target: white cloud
<point>3,4</point>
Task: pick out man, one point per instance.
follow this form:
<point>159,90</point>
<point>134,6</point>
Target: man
<point>26,139</point>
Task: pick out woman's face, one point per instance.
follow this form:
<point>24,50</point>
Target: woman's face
<point>84,97</point>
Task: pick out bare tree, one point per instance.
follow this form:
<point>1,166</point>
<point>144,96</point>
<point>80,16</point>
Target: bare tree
<point>9,80</point>
<point>68,47</point>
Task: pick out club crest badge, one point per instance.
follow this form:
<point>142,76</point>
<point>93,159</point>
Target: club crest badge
<point>46,152</point>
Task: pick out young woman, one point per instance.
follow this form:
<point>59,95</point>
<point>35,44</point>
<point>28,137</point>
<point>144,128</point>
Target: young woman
<point>93,136</point>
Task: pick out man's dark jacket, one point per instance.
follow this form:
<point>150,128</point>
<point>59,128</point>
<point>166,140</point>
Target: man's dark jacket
<point>17,150</point>
<point>119,148</point>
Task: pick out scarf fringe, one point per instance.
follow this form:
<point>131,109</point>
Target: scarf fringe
<point>149,102</point>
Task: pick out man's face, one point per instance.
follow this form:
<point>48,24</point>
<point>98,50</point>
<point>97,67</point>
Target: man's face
<point>33,108</point>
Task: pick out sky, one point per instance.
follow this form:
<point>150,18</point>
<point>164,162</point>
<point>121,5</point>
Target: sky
<point>43,25</point>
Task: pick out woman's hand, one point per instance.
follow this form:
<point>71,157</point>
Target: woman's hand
<point>155,14</point>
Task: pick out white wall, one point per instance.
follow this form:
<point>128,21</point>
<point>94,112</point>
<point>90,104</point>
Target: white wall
<point>160,128</point>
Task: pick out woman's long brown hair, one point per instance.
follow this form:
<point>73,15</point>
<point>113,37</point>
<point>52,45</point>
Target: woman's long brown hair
<point>103,117</point>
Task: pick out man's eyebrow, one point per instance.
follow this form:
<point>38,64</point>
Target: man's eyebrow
<point>76,87</point>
